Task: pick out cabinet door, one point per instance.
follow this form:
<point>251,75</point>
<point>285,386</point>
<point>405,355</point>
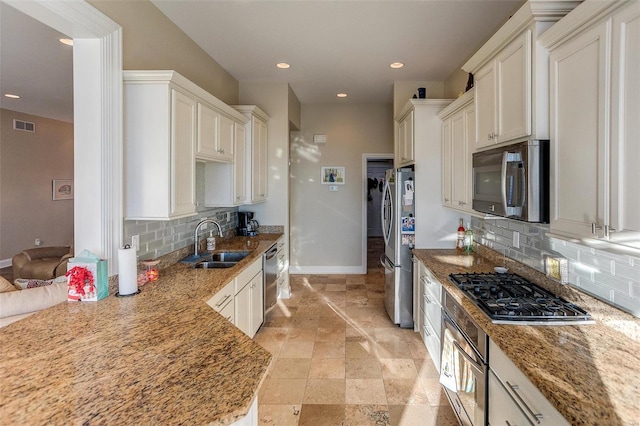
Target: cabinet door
<point>514,89</point>
<point>259,160</point>
<point>459,160</point>
<point>208,125</point>
<point>446,162</point>
<point>226,139</point>
<point>579,131</point>
<point>485,100</point>
<point>243,309</point>
<point>183,166</point>
<point>470,131</point>
<point>240,164</point>
<point>257,303</point>
<point>625,155</point>
<point>406,139</point>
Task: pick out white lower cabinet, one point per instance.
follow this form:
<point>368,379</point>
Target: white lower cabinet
<point>249,299</point>
<point>222,302</point>
<point>513,399</point>
<point>251,419</point>
<point>429,292</point>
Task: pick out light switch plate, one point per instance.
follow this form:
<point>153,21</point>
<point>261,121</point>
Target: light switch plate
<point>333,188</point>
<point>557,268</point>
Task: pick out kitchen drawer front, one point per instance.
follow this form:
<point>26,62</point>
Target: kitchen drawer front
<point>431,285</point>
<point>222,298</point>
<point>503,409</point>
<point>530,400</point>
<point>228,311</point>
<point>433,313</point>
<point>432,342</point>
<point>247,274</point>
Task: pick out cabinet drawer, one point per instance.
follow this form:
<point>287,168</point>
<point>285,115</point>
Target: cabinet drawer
<point>247,274</point>
<point>432,342</point>
<point>529,398</point>
<point>221,298</point>
<point>228,311</point>
<point>431,285</point>
<point>503,409</point>
<point>433,313</point>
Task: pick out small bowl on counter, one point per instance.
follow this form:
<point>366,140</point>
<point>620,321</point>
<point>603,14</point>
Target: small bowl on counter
<point>501,269</point>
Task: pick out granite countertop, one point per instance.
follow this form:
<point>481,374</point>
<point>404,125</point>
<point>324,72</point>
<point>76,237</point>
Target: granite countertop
<point>161,357</point>
<point>589,373</point>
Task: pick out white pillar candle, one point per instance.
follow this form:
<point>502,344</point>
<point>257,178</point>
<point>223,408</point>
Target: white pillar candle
<point>127,271</point>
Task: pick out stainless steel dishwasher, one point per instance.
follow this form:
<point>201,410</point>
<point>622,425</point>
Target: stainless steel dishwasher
<point>270,267</point>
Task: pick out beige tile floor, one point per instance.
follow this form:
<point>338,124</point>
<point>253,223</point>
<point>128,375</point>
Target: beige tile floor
<point>338,359</point>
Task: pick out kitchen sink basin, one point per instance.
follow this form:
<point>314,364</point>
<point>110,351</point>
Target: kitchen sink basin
<point>215,265</point>
<point>230,256</point>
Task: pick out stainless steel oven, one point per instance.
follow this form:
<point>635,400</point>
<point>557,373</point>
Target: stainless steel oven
<point>513,181</point>
<point>464,364</point>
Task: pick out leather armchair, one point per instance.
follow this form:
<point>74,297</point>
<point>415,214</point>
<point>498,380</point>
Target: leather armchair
<point>41,263</point>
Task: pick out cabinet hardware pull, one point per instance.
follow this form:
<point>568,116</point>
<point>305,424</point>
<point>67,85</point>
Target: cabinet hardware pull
<point>446,200</point>
<point>595,228</point>
<point>426,330</point>
<point>608,230</point>
<point>515,388</point>
<point>427,300</point>
<point>220,303</point>
<point>507,422</point>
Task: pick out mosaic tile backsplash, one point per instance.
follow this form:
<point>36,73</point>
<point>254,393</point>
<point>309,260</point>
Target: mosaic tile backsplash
<point>610,277</point>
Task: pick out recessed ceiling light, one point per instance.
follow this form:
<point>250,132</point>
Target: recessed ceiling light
<point>66,41</point>
<point>283,65</point>
<point>397,65</point>
<point>9,95</point>
<point>341,95</point>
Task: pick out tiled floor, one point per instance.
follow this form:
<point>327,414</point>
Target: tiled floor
<point>338,359</point>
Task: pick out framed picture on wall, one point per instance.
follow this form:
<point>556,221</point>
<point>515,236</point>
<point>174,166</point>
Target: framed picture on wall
<point>332,175</point>
<point>62,189</point>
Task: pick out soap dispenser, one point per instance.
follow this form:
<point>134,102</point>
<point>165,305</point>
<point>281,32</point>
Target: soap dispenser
<point>211,242</point>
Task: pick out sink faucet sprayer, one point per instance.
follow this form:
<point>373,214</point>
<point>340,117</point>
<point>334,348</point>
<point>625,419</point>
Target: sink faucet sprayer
<point>195,233</point>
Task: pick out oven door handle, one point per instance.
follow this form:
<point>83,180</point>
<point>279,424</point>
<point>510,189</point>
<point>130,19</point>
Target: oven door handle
<point>471,361</point>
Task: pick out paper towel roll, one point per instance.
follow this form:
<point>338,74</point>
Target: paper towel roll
<point>127,271</point>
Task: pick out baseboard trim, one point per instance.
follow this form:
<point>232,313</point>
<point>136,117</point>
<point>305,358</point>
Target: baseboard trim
<point>327,270</point>
<point>5,263</point>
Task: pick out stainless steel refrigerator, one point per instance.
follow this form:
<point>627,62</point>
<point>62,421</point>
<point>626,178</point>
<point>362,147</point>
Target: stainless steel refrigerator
<point>398,228</point>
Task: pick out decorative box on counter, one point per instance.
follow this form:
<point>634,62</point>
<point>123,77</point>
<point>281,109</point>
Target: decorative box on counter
<point>87,278</point>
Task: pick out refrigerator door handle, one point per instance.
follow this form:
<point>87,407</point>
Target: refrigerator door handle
<point>386,263</point>
<point>387,212</point>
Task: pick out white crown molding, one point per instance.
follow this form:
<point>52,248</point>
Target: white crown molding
<point>422,103</point>
<point>165,76</point>
<point>458,104</point>
<point>531,12</point>
<point>582,16</point>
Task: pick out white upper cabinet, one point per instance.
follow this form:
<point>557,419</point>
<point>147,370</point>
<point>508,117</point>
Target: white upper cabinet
<point>458,135</point>
<point>256,161</point>
<point>159,143</point>
<point>225,183</point>
<point>215,135</point>
<point>510,76</point>
<point>405,140</point>
<point>167,119</point>
<point>595,105</point>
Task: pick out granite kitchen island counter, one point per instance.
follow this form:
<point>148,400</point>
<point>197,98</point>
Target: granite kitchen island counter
<point>161,357</point>
<point>590,373</point>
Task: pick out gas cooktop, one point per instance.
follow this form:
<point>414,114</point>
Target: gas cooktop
<point>512,299</point>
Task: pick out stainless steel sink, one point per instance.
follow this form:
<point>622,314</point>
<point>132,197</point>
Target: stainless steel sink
<point>215,265</point>
<point>230,256</point>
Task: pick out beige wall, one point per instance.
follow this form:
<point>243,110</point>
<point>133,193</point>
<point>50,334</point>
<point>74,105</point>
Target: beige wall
<point>326,227</point>
<point>455,84</point>
<point>404,90</point>
<point>152,42</point>
<point>28,164</point>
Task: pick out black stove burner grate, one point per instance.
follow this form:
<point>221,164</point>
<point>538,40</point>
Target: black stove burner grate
<point>512,298</point>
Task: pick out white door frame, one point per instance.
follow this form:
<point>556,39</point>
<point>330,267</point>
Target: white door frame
<point>365,159</point>
<point>97,88</point>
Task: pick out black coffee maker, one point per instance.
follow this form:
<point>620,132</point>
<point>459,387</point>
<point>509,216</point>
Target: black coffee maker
<point>247,225</point>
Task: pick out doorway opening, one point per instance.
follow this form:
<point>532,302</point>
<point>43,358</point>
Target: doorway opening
<point>374,170</point>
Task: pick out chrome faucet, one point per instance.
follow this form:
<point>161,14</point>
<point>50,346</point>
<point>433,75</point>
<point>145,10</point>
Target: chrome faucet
<point>195,233</point>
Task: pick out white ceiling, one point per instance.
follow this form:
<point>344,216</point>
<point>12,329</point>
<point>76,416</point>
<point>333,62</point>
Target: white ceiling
<point>339,46</point>
<point>332,45</point>
<point>34,65</point>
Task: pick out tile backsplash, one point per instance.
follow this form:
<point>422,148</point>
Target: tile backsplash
<point>610,277</point>
<point>158,238</point>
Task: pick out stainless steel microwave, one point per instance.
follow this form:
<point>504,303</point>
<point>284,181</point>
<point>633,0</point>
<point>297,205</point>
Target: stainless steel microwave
<point>513,181</point>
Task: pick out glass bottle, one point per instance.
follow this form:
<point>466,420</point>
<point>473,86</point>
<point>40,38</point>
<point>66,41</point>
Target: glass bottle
<point>460,237</point>
<point>468,239</point>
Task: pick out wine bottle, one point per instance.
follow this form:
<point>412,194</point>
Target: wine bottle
<point>460,238</point>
